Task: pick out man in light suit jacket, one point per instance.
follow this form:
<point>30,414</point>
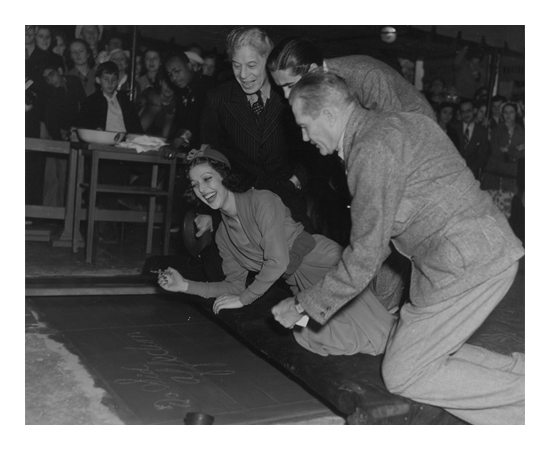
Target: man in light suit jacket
<point>410,186</point>
<point>473,138</point>
<point>375,85</point>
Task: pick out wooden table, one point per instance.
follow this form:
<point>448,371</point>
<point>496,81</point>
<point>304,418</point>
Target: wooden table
<point>105,152</point>
<point>65,213</point>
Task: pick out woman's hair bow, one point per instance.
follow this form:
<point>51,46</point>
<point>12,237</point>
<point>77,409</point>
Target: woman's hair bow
<point>206,152</point>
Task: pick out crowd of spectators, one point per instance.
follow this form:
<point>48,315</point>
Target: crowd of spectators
<point>68,78</point>
<point>488,129</point>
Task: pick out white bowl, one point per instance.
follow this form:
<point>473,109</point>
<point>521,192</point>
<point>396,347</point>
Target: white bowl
<point>100,137</point>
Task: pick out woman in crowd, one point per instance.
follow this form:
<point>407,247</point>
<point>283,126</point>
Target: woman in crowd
<point>507,149</point>
<point>152,63</point>
<point>59,46</point>
<point>257,234</point>
<point>81,58</point>
<point>43,39</point>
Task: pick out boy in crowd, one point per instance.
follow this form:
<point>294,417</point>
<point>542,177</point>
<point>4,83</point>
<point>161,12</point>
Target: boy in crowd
<point>107,109</point>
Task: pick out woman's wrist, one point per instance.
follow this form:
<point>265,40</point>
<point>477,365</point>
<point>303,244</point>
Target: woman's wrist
<point>184,286</point>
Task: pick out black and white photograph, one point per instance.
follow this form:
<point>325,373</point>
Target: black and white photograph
<point>275,225</point>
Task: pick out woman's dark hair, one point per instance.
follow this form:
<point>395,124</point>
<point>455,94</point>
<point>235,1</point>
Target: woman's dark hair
<point>444,105</point>
<point>232,181</point>
<point>295,54</point>
<point>512,104</point>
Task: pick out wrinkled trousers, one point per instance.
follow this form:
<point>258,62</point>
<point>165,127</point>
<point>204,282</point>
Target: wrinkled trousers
<point>427,359</point>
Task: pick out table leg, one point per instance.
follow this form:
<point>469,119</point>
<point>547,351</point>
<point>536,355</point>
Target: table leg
<point>76,236</point>
<point>169,203</point>
<point>91,208</point>
<point>151,212</point>
<point>65,239</point>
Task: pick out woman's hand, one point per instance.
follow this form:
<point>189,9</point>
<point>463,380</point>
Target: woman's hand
<point>285,313</point>
<point>203,224</point>
<point>171,280</point>
<point>227,301</point>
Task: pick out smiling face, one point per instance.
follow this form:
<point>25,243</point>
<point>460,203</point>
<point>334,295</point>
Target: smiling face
<point>249,69</point>
<point>207,185</point>
<point>320,131</point>
<point>43,39</point>
<point>446,115</point>
<point>467,112</point>
<point>90,33</point>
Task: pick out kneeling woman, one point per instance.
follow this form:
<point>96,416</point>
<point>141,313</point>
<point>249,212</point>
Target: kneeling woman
<point>256,235</point>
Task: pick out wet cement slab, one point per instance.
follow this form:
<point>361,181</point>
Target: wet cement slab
<point>150,359</point>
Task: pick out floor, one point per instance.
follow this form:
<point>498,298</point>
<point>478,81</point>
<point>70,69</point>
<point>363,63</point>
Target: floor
<point>94,359</point>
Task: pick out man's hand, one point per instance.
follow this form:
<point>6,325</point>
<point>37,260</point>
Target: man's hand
<point>227,301</point>
<point>168,152</point>
<point>203,224</point>
<point>296,182</point>
<point>285,313</point>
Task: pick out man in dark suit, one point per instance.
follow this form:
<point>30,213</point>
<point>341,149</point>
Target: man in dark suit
<point>250,122</point>
<point>473,138</point>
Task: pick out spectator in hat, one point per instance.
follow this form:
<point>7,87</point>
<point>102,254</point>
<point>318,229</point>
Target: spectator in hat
<point>122,59</point>
<point>195,60</point>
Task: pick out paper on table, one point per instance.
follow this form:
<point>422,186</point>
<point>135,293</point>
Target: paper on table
<point>302,322</point>
<point>143,143</point>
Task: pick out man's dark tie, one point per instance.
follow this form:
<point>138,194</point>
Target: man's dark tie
<point>258,105</point>
<point>466,136</point>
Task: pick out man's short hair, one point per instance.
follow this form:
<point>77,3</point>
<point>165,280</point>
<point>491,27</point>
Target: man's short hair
<point>181,57</point>
<point>463,101</point>
<point>319,89</point>
<point>108,67</point>
<point>295,54</point>
<point>249,36</point>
